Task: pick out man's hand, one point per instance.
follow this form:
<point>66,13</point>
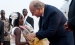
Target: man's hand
<point>30,36</point>
<point>66,27</point>
<point>1,43</point>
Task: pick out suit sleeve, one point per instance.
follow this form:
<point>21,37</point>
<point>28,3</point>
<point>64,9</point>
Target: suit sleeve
<point>2,32</point>
<point>54,21</point>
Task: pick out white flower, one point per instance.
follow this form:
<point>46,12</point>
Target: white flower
<point>14,16</point>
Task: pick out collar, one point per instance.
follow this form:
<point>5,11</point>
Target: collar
<point>25,17</point>
<point>43,13</point>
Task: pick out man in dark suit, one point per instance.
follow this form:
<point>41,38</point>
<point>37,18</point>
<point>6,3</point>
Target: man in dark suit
<point>70,25</point>
<point>50,24</point>
<point>28,18</point>
<point>1,33</point>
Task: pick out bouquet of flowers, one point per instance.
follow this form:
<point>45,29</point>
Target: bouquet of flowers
<point>34,41</point>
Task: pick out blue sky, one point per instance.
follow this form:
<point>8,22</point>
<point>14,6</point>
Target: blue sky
<point>17,5</point>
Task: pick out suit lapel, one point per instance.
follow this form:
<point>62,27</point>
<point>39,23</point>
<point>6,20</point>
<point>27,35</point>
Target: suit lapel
<point>47,12</point>
<point>44,18</point>
<point>40,23</point>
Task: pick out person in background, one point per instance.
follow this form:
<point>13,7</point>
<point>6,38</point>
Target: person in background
<point>1,33</point>
<point>51,24</point>
<point>70,24</point>
<point>27,18</point>
<point>6,28</point>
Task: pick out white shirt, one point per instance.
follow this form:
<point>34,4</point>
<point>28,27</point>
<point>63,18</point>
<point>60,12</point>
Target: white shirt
<point>43,13</point>
<point>25,18</point>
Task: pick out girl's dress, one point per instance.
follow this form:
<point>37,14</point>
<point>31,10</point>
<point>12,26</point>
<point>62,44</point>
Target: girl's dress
<point>12,36</point>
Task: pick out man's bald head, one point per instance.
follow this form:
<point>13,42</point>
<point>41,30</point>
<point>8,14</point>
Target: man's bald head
<point>37,4</point>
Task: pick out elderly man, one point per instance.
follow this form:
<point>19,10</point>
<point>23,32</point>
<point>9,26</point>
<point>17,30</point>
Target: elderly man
<point>50,24</point>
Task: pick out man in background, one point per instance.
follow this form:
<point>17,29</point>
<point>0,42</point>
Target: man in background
<point>6,28</point>
<point>70,24</point>
<point>28,18</point>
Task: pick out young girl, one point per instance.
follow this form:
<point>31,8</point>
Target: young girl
<point>17,38</point>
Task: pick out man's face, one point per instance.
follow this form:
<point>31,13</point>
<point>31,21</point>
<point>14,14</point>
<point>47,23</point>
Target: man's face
<point>25,12</point>
<point>35,12</point>
<point>3,13</point>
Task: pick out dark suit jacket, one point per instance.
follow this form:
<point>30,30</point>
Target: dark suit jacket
<point>30,21</point>
<point>71,15</point>
<point>51,27</point>
<point>1,31</point>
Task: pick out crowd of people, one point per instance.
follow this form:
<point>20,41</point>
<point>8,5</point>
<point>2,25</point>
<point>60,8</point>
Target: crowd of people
<point>53,25</point>
<point>7,26</point>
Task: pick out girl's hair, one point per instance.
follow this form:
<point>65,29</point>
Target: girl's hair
<point>16,20</point>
